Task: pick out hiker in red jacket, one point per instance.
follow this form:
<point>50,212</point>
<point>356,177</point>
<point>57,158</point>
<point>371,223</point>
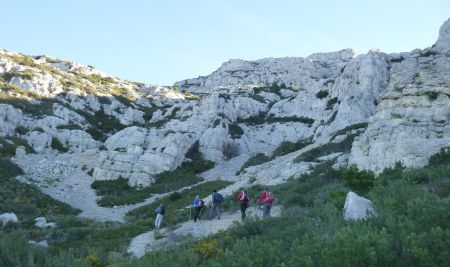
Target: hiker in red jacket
<point>267,199</point>
<point>244,198</point>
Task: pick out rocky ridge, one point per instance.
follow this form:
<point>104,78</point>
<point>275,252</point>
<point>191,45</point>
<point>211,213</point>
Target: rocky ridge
<point>85,125</point>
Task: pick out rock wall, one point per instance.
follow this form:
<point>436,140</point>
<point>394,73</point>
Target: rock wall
<point>412,121</point>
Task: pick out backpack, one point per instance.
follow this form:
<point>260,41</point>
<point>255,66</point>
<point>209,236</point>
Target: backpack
<point>218,198</point>
<point>269,197</point>
<point>201,203</point>
<point>245,198</point>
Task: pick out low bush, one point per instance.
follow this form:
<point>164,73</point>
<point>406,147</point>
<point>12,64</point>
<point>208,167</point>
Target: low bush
<point>118,192</point>
<point>8,146</point>
<point>288,147</point>
<point>184,175</point>
<point>322,94</point>
<point>443,157</point>
<point>258,159</point>
<point>230,150</point>
<point>360,181</point>
<point>305,120</point>
<point>21,130</point>
<point>350,128</point>
<point>235,131</point>
<point>70,126</point>
<point>331,103</point>
<point>326,149</point>
<point>56,144</point>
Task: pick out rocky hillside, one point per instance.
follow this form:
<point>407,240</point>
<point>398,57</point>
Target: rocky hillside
<point>263,120</point>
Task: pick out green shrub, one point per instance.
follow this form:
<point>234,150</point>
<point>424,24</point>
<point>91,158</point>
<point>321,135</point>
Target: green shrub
<point>360,245</point>
<point>8,146</point>
<point>358,181</point>
<point>102,123</point>
<point>56,144</point>
<point>432,95</point>
<point>443,157</point>
<point>184,175</point>
<point>254,120</point>
<point>21,130</point>
<point>9,169</point>
<point>288,147</point>
<point>331,103</point>
<point>96,134</point>
<point>349,128</point>
<point>258,159</point>
<point>235,130</point>
<point>39,110</point>
<point>326,149</point>
<point>322,94</point>
<point>118,192</point>
<point>301,119</point>
<point>70,126</point>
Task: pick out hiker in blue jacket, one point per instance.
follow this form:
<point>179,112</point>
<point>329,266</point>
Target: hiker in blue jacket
<point>160,211</point>
<point>216,200</point>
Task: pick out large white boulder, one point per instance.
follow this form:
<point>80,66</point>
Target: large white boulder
<point>357,208</point>
<point>39,141</point>
<point>8,217</point>
<point>10,118</point>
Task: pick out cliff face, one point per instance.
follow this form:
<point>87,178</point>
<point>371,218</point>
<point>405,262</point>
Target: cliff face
<point>412,119</point>
<point>397,106</point>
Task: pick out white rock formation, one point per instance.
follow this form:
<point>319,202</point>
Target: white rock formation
<point>8,217</point>
<point>41,222</point>
<point>412,121</point>
<point>357,208</point>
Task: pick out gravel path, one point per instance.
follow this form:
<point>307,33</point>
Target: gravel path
<point>189,230</point>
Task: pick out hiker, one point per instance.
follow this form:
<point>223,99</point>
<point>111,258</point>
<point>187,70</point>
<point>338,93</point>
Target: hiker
<point>196,201</point>
<point>198,210</point>
<point>159,215</point>
<point>216,200</point>
<point>244,198</point>
<point>267,199</point>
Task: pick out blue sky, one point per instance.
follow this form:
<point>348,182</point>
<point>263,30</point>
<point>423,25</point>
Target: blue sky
<point>162,42</point>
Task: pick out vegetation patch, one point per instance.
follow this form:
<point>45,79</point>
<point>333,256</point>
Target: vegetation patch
<point>258,159</point>
<point>305,120</point>
<point>432,95</point>
<point>101,124</point>
<point>360,181</point>
<point>322,94</point>
<point>21,130</point>
<point>329,148</point>
<point>331,103</point>
<point>288,147</point>
<point>118,192</point>
<point>56,144</point>
<point>70,126</point>
<point>235,131</point>
<point>443,157</point>
<point>349,128</point>
<point>8,146</point>
<point>184,175</point>
<point>258,98</point>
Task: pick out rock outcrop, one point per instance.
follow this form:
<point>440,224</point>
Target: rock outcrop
<point>357,208</point>
<point>412,121</point>
<point>8,217</point>
<point>393,107</point>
